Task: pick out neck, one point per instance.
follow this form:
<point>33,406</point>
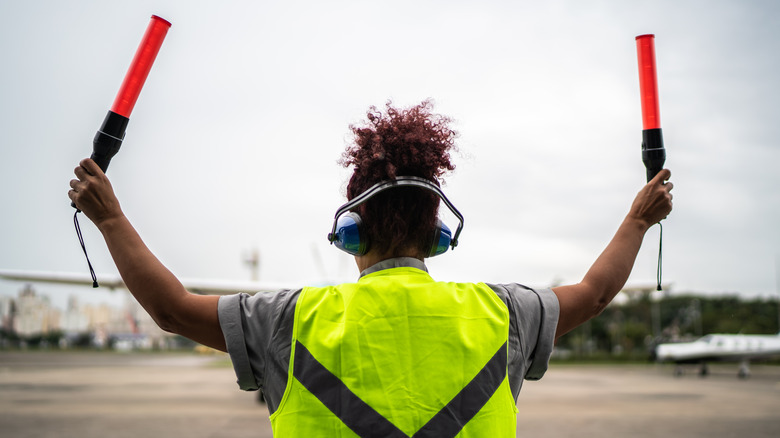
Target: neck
<point>366,261</point>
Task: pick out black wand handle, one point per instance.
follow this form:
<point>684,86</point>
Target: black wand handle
<point>653,152</point>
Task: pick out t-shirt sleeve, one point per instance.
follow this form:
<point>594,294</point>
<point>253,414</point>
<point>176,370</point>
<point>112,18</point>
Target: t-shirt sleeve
<point>249,324</point>
<point>533,321</point>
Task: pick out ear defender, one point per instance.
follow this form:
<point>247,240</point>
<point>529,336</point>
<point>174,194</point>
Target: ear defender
<point>442,237</point>
<point>349,236</point>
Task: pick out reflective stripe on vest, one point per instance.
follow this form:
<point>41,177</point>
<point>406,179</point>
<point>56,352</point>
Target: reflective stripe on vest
<point>366,422</point>
<point>398,355</point>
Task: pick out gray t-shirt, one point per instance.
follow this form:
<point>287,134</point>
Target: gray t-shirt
<point>258,332</point>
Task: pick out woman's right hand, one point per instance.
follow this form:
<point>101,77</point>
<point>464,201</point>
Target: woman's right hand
<point>654,202</point>
<point>91,192</point>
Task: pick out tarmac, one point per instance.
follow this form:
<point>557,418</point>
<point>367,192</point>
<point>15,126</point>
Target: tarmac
<point>86,395</point>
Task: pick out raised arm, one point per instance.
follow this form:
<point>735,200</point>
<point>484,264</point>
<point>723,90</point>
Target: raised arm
<point>582,301</point>
<point>160,293</point>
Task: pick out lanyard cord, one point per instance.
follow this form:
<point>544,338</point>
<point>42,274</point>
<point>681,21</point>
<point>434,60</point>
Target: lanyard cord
<point>660,246</point>
<point>84,248</point>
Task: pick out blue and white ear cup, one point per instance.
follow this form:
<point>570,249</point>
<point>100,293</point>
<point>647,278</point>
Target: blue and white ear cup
<point>347,236</point>
<point>441,239</point>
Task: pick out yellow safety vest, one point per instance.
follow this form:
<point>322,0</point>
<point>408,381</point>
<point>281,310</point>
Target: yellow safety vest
<point>398,355</point>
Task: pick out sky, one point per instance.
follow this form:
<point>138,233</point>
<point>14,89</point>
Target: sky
<point>234,141</point>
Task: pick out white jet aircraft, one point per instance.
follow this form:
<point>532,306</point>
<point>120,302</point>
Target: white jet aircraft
<point>719,347</point>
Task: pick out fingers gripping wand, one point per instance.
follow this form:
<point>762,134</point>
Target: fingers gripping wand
<point>653,152</point>
<point>108,138</point>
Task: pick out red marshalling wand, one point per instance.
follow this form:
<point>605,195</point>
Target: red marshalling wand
<point>110,135</point>
<point>653,152</point>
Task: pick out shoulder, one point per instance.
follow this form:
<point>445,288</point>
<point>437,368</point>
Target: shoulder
<point>523,299</point>
<point>262,302</point>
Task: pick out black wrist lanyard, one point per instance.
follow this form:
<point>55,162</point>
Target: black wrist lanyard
<point>84,248</point>
<point>660,246</point>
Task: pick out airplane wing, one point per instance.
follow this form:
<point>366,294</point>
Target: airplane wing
<point>199,286</point>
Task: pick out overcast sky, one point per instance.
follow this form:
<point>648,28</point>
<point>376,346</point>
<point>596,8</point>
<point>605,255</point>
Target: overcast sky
<point>234,141</point>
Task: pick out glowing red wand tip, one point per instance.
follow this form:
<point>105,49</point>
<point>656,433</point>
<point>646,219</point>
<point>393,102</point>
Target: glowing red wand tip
<point>648,82</point>
<point>140,67</point>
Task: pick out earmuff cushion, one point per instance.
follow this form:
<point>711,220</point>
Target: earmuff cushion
<point>350,236</point>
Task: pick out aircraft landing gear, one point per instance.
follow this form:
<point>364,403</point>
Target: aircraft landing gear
<point>704,371</point>
<point>744,370</point>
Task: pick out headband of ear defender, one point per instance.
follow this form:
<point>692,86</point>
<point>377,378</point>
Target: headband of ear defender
<point>348,233</point>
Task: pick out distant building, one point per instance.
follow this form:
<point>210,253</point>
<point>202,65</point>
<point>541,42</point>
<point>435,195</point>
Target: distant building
<point>34,314</point>
<point>6,313</point>
<point>74,320</point>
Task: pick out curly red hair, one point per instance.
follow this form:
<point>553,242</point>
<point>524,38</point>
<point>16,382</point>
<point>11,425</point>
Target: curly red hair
<point>407,142</point>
